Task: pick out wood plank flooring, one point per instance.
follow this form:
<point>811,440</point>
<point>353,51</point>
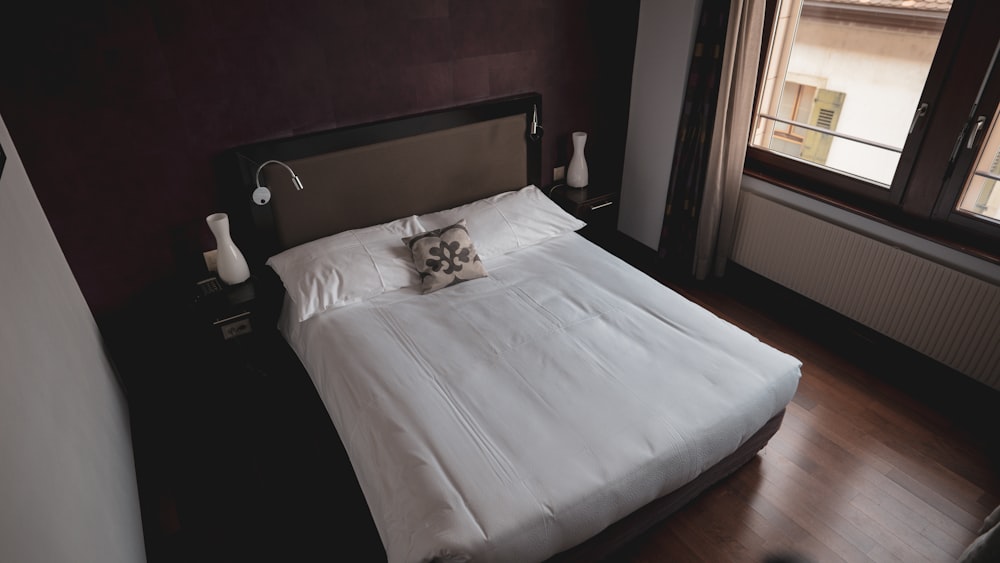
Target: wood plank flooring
<point>879,458</point>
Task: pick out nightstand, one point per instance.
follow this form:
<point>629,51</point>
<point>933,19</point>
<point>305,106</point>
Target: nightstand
<point>204,375</point>
<point>596,204</point>
<point>230,312</point>
<point>236,326</point>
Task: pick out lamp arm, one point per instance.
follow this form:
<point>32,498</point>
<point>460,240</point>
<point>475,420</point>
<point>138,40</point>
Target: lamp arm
<point>295,178</point>
<point>262,195</point>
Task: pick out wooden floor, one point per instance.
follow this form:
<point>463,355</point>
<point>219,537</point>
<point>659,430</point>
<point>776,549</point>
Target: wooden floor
<point>870,464</point>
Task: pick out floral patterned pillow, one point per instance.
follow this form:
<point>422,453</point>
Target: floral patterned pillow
<point>445,257</point>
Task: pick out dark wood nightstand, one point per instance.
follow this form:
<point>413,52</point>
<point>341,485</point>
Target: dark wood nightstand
<point>204,376</point>
<point>596,204</point>
<point>229,312</point>
<point>236,456</point>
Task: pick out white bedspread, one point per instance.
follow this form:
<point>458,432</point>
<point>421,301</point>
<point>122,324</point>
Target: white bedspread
<point>512,417</point>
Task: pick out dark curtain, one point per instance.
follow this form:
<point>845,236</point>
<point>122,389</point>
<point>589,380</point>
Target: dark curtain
<point>694,138</point>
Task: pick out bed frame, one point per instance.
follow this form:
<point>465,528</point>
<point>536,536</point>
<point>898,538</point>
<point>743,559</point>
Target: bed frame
<point>369,174</point>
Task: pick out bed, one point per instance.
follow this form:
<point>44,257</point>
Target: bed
<point>551,410</point>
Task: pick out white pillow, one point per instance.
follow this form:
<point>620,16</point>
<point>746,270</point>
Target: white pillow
<point>347,267</point>
<point>360,264</point>
<point>507,221</point>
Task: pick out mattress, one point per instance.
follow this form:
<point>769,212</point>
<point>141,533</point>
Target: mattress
<point>512,417</point>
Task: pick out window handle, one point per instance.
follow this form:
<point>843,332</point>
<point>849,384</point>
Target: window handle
<point>921,111</point>
<point>975,131</point>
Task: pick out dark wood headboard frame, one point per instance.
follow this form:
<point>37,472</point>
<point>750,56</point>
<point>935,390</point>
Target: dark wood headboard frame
<point>446,179</point>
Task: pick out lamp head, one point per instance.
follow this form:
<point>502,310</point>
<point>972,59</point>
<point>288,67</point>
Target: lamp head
<point>536,129</point>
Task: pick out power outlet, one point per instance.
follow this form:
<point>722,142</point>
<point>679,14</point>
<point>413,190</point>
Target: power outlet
<point>558,173</point>
<point>211,260</point>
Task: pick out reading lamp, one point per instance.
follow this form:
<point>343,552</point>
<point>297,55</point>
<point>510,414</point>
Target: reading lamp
<point>536,130</point>
<point>262,194</point>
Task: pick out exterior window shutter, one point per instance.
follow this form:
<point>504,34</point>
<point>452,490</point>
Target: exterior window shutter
<point>825,113</point>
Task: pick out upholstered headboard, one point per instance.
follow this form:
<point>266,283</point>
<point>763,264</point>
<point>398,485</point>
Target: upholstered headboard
<point>368,174</point>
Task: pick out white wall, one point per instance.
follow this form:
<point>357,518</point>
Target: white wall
<point>67,480</point>
<point>663,48</point>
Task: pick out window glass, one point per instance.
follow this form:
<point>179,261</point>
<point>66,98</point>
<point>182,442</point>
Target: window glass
<point>855,68</point>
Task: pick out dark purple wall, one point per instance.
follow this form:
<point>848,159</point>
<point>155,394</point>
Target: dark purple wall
<point>118,107</point>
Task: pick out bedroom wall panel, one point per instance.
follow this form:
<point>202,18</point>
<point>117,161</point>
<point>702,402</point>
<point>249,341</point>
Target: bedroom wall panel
<point>664,42</point>
<point>948,312</point>
<point>67,478</point>
<point>120,107</point>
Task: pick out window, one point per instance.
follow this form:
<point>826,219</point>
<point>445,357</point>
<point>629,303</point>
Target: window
<point>863,102</point>
<point>980,196</point>
<point>970,196</point>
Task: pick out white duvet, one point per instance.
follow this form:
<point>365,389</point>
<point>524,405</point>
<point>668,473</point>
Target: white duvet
<point>512,417</point>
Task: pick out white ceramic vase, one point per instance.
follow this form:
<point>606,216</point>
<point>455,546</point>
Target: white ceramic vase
<point>231,264</point>
<point>577,175</point>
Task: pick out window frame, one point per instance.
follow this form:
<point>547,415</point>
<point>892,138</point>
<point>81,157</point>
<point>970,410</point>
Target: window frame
<point>915,201</point>
<point>946,207</point>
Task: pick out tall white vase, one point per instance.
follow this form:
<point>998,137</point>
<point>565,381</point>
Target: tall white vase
<point>577,175</point>
<point>230,262</point>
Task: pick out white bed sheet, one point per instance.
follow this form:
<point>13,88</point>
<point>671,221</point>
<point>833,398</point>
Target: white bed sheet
<point>512,417</point>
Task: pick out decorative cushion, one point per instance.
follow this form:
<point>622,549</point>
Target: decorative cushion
<point>445,257</point>
<point>986,547</point>
<point>990,521</point>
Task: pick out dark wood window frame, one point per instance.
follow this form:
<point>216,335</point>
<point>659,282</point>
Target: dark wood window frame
<point>920,199</point>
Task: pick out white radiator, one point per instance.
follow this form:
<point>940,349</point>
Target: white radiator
<point>943,313</point>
